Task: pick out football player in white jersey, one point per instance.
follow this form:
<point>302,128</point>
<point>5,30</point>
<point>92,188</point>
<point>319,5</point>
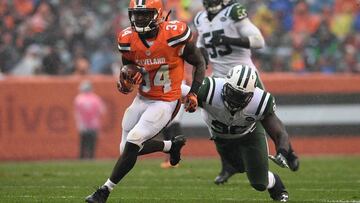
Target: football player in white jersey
<point>226,36</point>
<point>237,114</point>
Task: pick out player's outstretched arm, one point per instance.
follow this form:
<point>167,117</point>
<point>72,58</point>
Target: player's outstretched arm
<point>285,156</point>
<point>249,35</point>
<point>193,56</point>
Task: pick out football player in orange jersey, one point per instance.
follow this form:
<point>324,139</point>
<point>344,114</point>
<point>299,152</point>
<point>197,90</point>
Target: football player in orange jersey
<point>159,48</point>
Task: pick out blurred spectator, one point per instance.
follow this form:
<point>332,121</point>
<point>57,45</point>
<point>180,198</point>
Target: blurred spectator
<point>81,66</point>
<point>77,28</point>
<point>30,64</point>
<point>317,6</point>
<point>51,64</point>
<point>357,21</point>
<point>102,58</point>
<point>342,22</point>
<point>8,56</point>
<point>89,108</point>
<point>23,7</point>
<point>346,5</point>
<point>351,60</point>
<point>266,21</point>
<point>304,21</point>
<point>283,10</point>
<point>324,54</point>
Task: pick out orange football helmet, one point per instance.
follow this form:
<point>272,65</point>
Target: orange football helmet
<point>145,15</point>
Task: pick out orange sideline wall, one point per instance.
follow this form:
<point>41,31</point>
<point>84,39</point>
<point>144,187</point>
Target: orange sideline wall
<point>37,117</point>
<point>37,121</point>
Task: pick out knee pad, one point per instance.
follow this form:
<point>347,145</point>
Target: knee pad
<point>259,187</point>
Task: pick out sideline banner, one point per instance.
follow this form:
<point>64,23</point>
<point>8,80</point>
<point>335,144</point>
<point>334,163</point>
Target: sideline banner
<point>37,115</point>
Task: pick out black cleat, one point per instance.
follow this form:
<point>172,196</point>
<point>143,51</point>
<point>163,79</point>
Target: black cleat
<point>223,177</point>
<point>99,196</point>
<point>177,143</point>
<point>278,192</point>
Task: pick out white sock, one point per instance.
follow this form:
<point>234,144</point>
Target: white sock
<point>167,145</point>
<point>110,185</point>
<point>271,180</point>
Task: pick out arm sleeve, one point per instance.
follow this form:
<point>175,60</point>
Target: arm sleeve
<point>203,92</point>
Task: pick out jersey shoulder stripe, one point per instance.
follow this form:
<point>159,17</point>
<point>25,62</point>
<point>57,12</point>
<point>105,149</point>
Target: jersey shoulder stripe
<point>124,39</point>
<point>262,104</point>
<point>124,47</point>
<point>270,106</point>
<point>182,38</point>
<point>197,18</point>
<point>212,88</point>
<point>228,10</point>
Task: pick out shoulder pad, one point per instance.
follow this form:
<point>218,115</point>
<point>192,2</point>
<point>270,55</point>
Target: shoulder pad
<point>177,32</point>
<point>238,12</point>
<point>124,39</point>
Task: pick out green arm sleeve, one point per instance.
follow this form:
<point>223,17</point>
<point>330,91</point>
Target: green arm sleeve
<point>203,91</point>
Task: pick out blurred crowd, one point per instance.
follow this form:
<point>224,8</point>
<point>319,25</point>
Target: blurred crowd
<point>308,36</point>
<point>61,37</point>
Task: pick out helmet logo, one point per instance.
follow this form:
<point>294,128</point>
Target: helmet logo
<point>140,4</point>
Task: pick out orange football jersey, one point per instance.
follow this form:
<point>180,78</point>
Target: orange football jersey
<point>161,59</point>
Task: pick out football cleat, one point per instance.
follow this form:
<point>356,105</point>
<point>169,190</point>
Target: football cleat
<point>278,192</point>
<point>99,196</point>
<point>223,177</point>
<point>175,152</point>
<point>167,165</point>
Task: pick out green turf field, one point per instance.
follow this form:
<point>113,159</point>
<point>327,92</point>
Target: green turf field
<point>330,179</point>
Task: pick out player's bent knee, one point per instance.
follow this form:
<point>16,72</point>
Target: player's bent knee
<point>259,187</point>
<point>135,138</point>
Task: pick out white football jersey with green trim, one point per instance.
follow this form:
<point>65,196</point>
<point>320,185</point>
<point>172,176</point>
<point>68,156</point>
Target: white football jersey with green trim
<point>219,119</point>
<point>224,57</point>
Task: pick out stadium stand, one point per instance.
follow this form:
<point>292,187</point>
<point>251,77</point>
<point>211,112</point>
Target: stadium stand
<point>48,37</point>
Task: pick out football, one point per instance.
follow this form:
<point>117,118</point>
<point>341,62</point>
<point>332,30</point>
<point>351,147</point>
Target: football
<point>130,70</point>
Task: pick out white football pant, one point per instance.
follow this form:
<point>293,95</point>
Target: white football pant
<point>144,119</point>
